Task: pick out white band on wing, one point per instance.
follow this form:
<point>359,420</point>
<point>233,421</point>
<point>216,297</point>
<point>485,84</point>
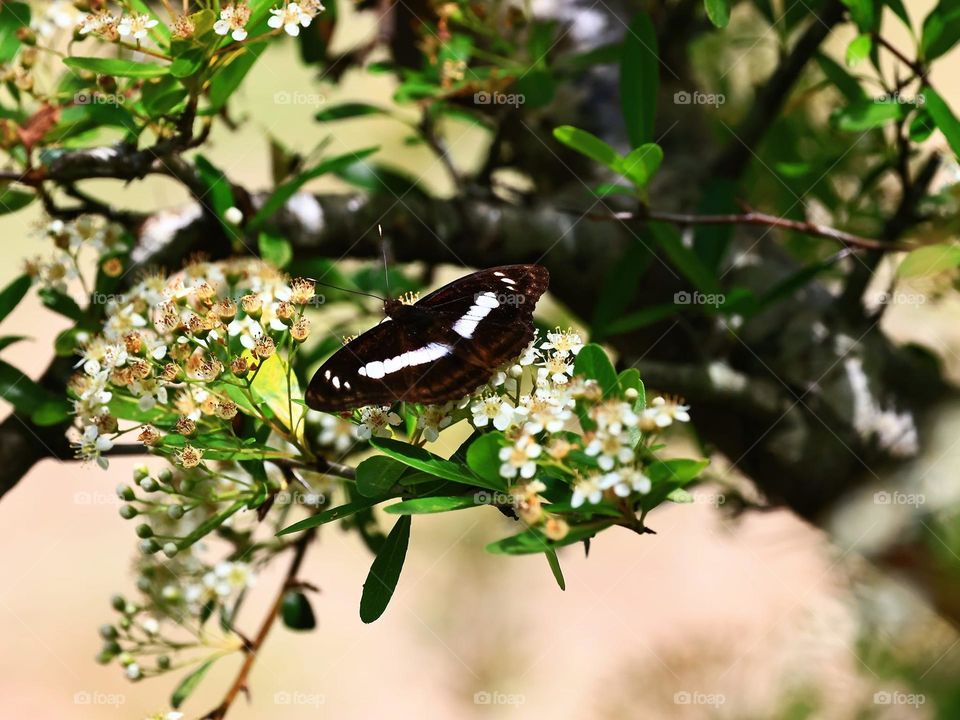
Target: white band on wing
<point>378,368</point>
<point>482,305</point>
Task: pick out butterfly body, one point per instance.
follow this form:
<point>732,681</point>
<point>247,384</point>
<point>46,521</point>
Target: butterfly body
<point>438,349</point>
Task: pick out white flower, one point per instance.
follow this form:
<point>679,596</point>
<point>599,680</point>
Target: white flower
<point>519,458</point>
<point>248,329</point>
<point>610,448</point>
<point>433,419</point>
<point>493,409</point>
<point>613,416</point>
<point>544,414</point>
<point>290,17</point>
<point>564,343</point>
<point>587,488</point>
<point>336,432</point>
<point>133,671</point>
<point>625,481</point>
<point>230,576</point>
<point>376,422</point>
<point>136,26</point>
<point>665,412</point>
<point>150,625</point>
<point>233,20</point>
<point>93,444</point>
<point>557,368</point>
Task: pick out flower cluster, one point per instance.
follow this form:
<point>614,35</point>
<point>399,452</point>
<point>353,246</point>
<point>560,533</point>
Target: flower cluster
<point>184,353</point>
<point>89,236</point>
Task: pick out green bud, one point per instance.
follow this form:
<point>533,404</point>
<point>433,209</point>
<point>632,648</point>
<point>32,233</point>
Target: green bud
<point>125,623</point>
<point>125,492</point>
<point>118,603</point>
<point>113,648</point>
<point>149,484</point>
<point>144,531</point>
<point>163,662</point>
<point>104,658</point>
<point>165,476</point>
<point>130,608</point>
<point>170,549</point>
<point>149,546</point>
<point>175,512</point>
<point>140,472</point>
<point>108,632</point>
<point>128,512</point>
<point>125,659</point>
<point>144,584</point>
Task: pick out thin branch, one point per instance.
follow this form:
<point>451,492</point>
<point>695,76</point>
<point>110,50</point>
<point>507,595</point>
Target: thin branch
<point>755,218</point>
<point>917,67</point>
<point>252,647</point>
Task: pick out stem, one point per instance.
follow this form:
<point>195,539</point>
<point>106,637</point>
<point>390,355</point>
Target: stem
<point>240,682</point>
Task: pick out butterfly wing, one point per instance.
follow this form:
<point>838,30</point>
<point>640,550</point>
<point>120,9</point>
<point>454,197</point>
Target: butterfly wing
<point>447,344</point>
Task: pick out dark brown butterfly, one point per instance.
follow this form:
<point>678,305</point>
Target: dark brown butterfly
<point>438,349</point>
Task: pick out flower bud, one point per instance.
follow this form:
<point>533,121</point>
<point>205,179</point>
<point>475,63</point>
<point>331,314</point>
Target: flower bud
<point>149,546</point>
<point>144,531</point>
<point>149,484</point>
<point>170,549</point>
<point>118,603</point>
<point>175,512</point>
<point>127,512</point>
<point>252,305</point>
<point>108,632</point>
<point>125,492</point>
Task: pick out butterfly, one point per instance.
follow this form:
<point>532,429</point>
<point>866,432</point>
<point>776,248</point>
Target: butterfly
<point>440,348</point>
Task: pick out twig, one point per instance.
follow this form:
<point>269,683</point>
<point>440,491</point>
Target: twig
<point>918,68</point>
<point>755,218</point>
<point>251,648</point>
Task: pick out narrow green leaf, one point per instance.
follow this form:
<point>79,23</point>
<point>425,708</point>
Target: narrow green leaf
<point>189,684</point>
<point>930,260</point>
<point>337,513</point>
<point>859,50</point>
<point>26,396</point>
<point>941,30</point>
<point>8,340</point>
<point>642,164</point>
<point>436,504</point>
<point>534,541</point>
<point>683,258</point>
<point>846,84</point>
<point>640,79</point>
<point>289,188</point>
<point>228,79</point>
<point>377,475</point>
<point>12,294</point>
<point>385,572</point>
<point>13,16</point>
<point>420,459</point>
<point>12,200</point>
<point>555,568</point>
<point>943,116</point>
<point>865,13</point>
<point>588,144</point>
<point>867,115</point>
<point>219,195</point>
<point>296,612</point>
<point>274,249</point>
<point>718,11</point>
<point>117,68</point>
<point>348,110</point>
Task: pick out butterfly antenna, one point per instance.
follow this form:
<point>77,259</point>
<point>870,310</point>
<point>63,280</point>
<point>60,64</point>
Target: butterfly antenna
<point>385,250</point>
<point>346,290</point>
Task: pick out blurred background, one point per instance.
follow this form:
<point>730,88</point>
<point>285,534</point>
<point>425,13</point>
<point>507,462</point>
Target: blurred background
<point>718,615</point>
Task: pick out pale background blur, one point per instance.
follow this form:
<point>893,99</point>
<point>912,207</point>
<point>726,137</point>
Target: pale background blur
<point>754,612</point>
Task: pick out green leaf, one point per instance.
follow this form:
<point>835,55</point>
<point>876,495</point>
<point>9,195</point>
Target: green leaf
<point>162,96</point>
<point>377,475</point>
<point>941,30</point>
<point>930,260</point>
<point>718,11</point>
<point>188,63</point>
<point>13,16</point>
<point>337,513</point>
<point>683,258</point>
<point>228,79</point>
<point>640,80</point>
<point>26,396</point>
<point>222,446</point>
<point>274,386</point>
<point>588,144</point>
<point>190,683</point>
<point>348,110</point>
<point>385,572</point>
<point>680,471</point>
<point>290,188</point>
<point>679,496</point>
<point>592,362</point>
<point>555,568</point>
<point>219,194</point>
<point>867,115</point>
<point>859,50</point>
<point>12,294</point>
<point>864,13</point>
<point>274,249</point>
<point>846,83</point>
<point>117,68</point>
<point>642,164</point>
<point>483,456</point>
<point>420,459</point>
<point>943,116</point>
<point>52,411</point>
<point>8,340</point>
<point>534,541</point>
<point>629,379</point>
<point>62,304</point>
<point>436,504</point>
<point>296,611</point>
<point>13,200</point>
